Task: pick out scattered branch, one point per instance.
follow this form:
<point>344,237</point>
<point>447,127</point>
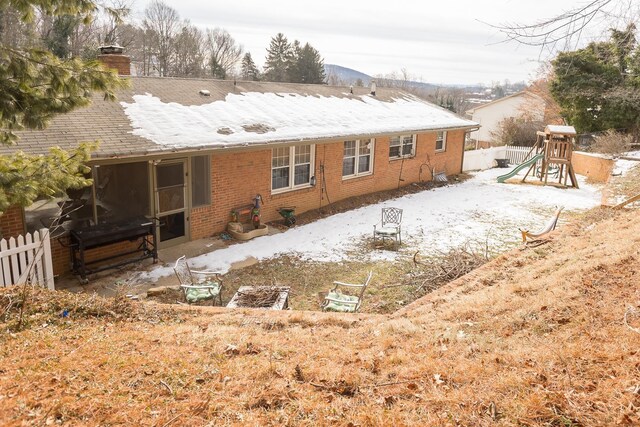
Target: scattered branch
<point>169,389</point>
<point>446,267</point>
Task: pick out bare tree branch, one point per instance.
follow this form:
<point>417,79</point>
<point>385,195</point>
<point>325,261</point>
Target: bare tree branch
<point>563,28</point>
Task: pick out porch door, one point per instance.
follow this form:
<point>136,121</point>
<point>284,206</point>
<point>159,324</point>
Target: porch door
<point>171,202</point>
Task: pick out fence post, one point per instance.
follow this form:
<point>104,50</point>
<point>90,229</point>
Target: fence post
<point>48,263</point>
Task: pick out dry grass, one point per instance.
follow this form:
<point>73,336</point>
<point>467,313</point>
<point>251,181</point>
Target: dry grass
<point>534,337</point>
<point>542,336</point>
<point>25,307</point>
<point>612,143</point>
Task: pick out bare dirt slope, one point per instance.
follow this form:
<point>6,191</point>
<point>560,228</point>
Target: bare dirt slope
<point>536,337</point>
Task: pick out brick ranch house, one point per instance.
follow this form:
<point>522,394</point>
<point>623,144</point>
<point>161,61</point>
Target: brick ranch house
<point>189,151</point>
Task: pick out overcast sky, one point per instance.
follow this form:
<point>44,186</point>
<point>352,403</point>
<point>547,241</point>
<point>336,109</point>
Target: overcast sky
<point>436,42</point>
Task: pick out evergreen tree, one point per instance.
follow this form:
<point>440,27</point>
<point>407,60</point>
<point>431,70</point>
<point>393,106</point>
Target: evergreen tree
<point>248,69</point>
<point>597,87</point>
<point>217,71</point>
<point>294,73</point>
<point>279,55</point>
<point>35,85</point>
<point>58,39</point>
<point>309,66</point>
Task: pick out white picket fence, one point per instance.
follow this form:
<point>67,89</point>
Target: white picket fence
<point>27,258</point>
<point>517,155</point>
<point>483,159</point>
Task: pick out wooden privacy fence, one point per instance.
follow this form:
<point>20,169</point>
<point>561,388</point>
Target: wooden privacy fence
<point>27,258</point>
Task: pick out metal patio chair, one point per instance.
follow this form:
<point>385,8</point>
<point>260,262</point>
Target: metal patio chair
<point>389,226</point>
<point>196,285</point>
<point>338,301</point>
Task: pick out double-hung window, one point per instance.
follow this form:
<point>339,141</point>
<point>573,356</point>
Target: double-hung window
<point>402,146</point>
<point>441,141</point>
<point>291,167</point>
<point>357,159</point>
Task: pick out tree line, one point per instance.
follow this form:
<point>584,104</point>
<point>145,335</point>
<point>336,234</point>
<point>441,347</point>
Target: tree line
<point>162,44</point>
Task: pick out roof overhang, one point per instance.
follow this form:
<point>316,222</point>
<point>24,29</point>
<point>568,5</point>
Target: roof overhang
<point>164,151</point>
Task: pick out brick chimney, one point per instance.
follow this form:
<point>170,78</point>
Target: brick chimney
<point>112,57</point>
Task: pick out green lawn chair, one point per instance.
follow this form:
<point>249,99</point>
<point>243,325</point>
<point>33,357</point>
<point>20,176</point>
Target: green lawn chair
<point>198,289</point>
<point>344,303</point>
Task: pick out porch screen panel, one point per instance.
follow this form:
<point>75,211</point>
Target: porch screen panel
<point>122,190</point>
<point>171,187</point>
<point>200,181</point>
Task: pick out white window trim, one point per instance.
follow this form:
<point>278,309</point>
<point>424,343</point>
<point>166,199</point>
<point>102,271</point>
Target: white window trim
<point>292,165</point>
<point>444,142</point>
<point>413,147</point>
<point>357,174</point>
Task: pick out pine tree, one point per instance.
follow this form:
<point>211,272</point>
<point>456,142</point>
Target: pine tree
<point>58,38</point>
<point>309,66</point>
<point>279,55</point>
<point>294,72</point>
<point>216,69</point>
<point>248,70</point>
<point>35,85</point>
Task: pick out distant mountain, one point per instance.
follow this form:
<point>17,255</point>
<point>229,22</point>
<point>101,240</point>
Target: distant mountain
<point>338,75</point>
<point>343,76</point>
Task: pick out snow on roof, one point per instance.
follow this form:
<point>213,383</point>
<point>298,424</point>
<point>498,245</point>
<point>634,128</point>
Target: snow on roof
<point>567,130</point>
<point>258,118</point>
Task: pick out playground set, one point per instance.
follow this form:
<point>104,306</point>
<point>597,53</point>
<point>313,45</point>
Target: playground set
<point>553,149</point>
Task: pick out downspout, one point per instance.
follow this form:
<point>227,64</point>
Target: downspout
<point>464,146</point>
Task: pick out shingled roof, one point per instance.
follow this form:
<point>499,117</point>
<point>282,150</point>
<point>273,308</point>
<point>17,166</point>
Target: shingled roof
<point>159,115</point>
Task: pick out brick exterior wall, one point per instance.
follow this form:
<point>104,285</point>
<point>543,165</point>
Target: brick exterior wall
<point>12,223</point>
<point>236,179</point>
<point>118,62</point>
<point>61,254</point>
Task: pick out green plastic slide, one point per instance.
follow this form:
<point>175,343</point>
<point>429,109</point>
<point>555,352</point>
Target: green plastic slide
<point>514,172</point>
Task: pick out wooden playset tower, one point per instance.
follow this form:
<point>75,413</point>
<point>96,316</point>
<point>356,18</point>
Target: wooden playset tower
<point>555,145</point>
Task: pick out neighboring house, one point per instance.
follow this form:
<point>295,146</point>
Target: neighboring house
<point>189,151</point>
<point>490,115</point>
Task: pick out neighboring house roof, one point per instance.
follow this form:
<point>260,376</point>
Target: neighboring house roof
<point>159,115</point>
<point>504,98</point>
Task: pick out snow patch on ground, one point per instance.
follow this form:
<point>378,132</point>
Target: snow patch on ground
<point>622,166</point>
<point>479,209</point>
